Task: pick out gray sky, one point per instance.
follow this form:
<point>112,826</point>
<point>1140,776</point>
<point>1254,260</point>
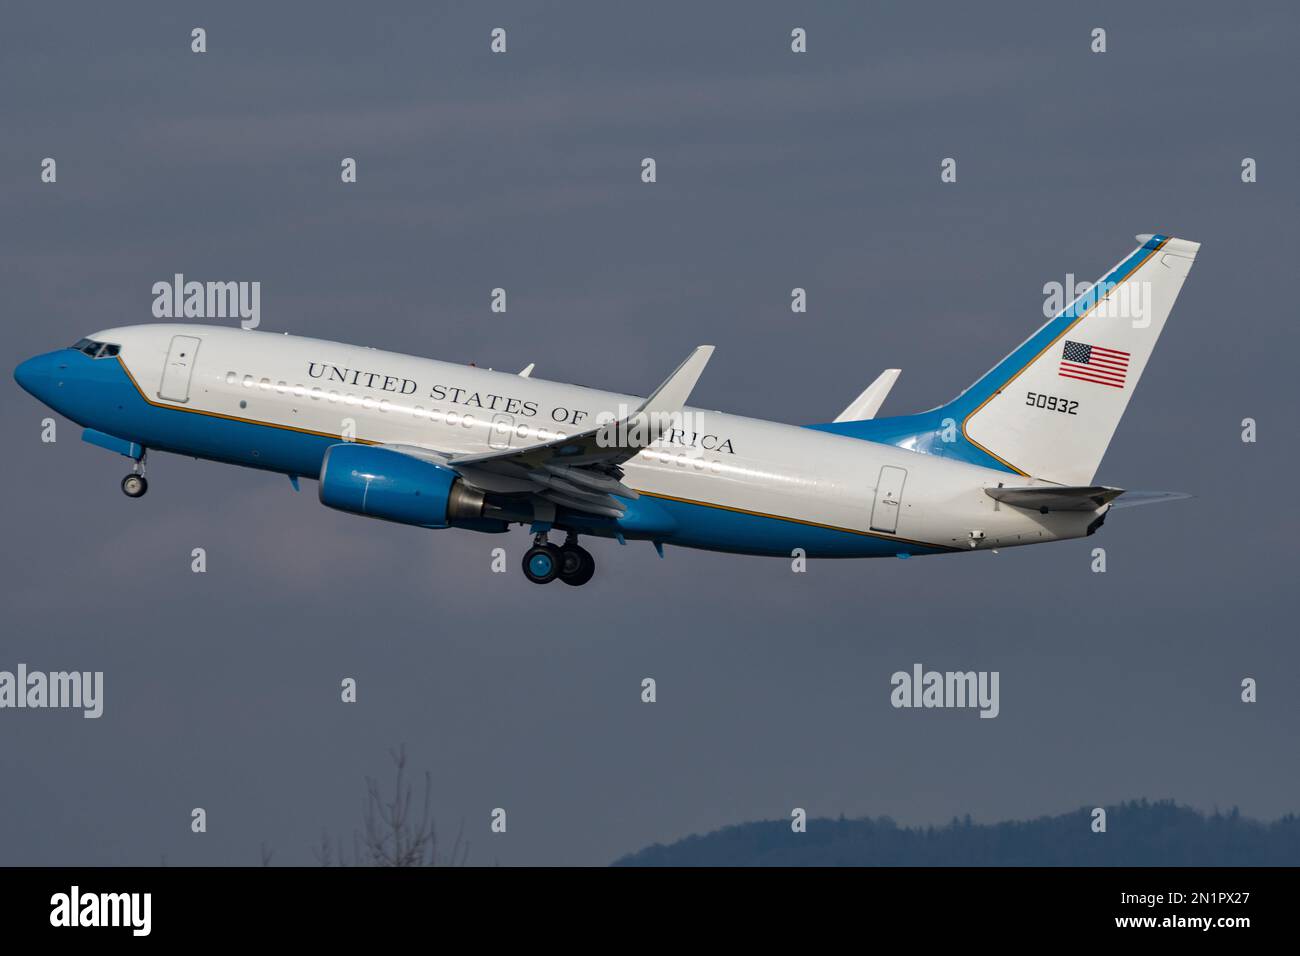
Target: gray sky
<point>522,171</point>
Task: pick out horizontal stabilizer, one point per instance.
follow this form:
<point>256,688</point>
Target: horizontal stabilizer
<point>1132,499</point>
<point>1056,497</point>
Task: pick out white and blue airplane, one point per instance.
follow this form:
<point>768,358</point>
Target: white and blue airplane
<point>1010,461</point>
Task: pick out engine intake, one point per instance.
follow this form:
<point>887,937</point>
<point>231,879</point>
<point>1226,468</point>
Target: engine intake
<point>380,483</point>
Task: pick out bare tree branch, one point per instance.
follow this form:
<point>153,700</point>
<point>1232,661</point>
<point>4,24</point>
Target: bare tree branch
<point>397,831</point>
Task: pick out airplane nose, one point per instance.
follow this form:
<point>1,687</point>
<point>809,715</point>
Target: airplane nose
<point>36,374</point>
<point>27,373</point>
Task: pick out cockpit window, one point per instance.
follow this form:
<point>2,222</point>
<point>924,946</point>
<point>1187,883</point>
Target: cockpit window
<point>97,349</point>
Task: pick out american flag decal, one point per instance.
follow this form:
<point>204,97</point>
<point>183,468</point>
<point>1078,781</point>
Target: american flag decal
<point>1091,363</point>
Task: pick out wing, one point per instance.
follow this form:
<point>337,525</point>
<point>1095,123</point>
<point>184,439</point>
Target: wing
<point>580,472</point>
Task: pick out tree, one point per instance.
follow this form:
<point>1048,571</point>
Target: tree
<point>392,833</point>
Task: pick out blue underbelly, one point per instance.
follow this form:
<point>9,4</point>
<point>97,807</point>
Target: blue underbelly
<point>114,405</point>
<point>716,528</point>
<point>116,408</point>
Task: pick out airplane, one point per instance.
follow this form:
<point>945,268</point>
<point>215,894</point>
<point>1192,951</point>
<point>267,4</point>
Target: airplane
<point>1010,461</point>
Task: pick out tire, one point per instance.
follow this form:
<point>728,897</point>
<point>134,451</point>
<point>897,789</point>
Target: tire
<point>576,565</point>
<point>542,563</point>
<point>134,486</point>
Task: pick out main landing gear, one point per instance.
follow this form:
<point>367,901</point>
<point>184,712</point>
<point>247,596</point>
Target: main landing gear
<point>134,485</point>
<point>571,563</point>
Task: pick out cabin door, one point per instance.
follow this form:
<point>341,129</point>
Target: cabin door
<point>178,369</point>
<point>889,498</point>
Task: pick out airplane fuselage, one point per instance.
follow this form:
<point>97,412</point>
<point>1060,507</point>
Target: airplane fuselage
<point>719,482</point>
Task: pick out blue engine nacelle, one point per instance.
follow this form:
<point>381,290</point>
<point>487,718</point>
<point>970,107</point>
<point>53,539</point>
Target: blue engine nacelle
<point>380,483</point>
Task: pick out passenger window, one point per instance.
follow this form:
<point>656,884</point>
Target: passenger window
<point>264,384</point>
<point>316,392</point>
<point>248,381</point>
<point>231,378</point>
<point>281,387</point>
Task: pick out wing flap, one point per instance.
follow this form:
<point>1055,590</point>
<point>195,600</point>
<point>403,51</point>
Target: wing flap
<point>602,505</point>
<point>593,481</point>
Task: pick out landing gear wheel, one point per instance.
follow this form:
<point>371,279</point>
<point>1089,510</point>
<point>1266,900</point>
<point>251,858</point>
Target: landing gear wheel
<point>134,486</point>
<point>576,565</point>
<point>542,563</point>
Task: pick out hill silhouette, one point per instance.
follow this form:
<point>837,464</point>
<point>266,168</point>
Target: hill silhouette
<point>1138,833</point>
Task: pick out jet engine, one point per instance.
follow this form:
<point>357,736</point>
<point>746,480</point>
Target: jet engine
<point>386,484</point>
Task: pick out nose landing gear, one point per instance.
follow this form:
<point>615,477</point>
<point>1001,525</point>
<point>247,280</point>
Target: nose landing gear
<point>134,485</point>
<point>571,563</point>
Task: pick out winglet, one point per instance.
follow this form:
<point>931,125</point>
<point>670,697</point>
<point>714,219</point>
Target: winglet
<point>669,397</point>
<point>866,405</point>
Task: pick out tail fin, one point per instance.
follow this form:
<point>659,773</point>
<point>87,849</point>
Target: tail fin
<point>1049,408</point>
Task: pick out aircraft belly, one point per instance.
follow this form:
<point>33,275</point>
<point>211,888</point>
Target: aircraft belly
<point>758,509</point>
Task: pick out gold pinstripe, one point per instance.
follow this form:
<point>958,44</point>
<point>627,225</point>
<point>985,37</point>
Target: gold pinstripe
<point>233,418</point>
